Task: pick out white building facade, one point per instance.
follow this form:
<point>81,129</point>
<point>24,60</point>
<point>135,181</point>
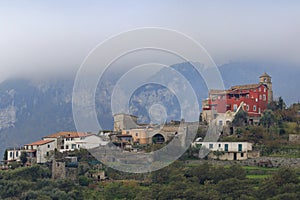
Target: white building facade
<point>42,151</point>
<point>13,154</point>
<point>228,150</point>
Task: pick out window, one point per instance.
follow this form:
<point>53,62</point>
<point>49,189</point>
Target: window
<point>264,97</point>
<point>254,108</point>
<point>247,96</point>
<point>211,146</point>
<point>226,147</point>
<point>48,145</point>
<point>259,110</point>
<point>234,107</point>
<point>47,153</point>
<point>242,155</point>
<point>73,146</point>
<point>17,154</point>
<point>259,89</point>
<point>260,97</point>
<point>10,154</point>
<point>136,134</point>
<point>67,146</point>
<point>247,107</point>
<point>240,147</point>
<point>127,132</point>
<point>219,145</point>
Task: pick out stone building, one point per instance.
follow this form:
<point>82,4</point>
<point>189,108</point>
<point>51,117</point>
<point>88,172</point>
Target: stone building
<point>124,122</point>
<point>66,168</point>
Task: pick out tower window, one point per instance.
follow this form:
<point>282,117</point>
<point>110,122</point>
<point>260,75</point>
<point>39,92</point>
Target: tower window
<point>254,108</point>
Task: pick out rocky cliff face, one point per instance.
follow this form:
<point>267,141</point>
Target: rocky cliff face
<point>31,109</point>
<point>7,109</point>
<point>7,117</point>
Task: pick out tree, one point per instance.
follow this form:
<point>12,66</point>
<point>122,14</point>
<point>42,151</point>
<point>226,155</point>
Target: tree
<point>281,104</point>
<point>277,105</point>
<point>268,118</point>
<point>23,157</point>
<point>218,154</point>
<point>240,119</point>
<point>285,176</point>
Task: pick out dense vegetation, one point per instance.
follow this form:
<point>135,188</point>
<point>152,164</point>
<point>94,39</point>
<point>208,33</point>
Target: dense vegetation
<point>177,181</point>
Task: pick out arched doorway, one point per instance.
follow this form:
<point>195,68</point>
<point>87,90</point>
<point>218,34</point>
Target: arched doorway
<point>158,139</point>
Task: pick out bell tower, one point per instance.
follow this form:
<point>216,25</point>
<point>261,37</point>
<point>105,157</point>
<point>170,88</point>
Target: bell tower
<point>266,79</point>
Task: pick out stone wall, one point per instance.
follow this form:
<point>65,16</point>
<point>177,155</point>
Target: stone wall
<point>294,138</point>
<point>276,162</point>
<point>58,170</point>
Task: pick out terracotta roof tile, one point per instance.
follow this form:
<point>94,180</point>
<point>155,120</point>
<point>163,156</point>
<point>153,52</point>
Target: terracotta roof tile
<point>68,135</point>
<point>237,87</point>
<point>245,87</point>
<point>41,142</point>
<point>217,91</point>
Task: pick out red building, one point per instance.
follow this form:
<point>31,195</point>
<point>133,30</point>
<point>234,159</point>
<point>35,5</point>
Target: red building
<point>252,98</point>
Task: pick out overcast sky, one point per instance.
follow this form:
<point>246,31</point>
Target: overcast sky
<point>55,36</point>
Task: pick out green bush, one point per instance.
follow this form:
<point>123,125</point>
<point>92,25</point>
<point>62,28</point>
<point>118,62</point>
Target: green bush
<point>84,181</point>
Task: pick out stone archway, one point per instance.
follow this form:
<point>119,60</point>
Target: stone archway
<point>158,139</point>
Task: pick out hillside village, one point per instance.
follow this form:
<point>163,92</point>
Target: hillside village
<point>253,130</point>
<point>245,104</point>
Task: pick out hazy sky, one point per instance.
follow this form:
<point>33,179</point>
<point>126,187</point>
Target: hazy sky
<point>55,36</point>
